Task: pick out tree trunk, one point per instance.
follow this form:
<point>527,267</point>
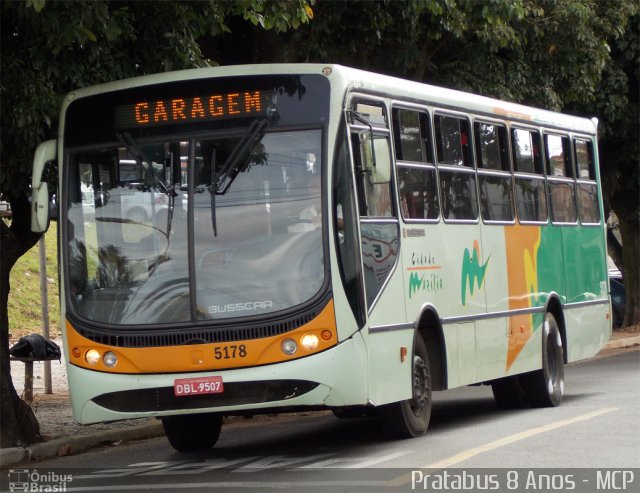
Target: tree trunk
<point>19,425</point>
<point>614,249</point>
<point>630,233</point>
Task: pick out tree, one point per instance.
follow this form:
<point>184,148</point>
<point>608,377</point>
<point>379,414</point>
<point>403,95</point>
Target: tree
<point>617,106</point>
<point>577,56</point>
<point>51,48</point>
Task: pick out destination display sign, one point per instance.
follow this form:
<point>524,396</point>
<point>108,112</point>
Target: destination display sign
<point>180,110</point>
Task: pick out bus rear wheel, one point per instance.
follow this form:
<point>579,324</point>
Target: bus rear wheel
<point>191,432</point>
<point>545,387</point>
<point>410,418</point>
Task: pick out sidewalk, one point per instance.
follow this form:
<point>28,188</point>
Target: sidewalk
<point>64,436</point>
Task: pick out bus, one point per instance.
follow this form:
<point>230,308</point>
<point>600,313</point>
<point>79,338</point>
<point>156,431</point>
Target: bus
<point>316,237</point>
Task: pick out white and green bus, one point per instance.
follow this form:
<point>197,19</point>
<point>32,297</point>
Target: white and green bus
<point>238,240</point>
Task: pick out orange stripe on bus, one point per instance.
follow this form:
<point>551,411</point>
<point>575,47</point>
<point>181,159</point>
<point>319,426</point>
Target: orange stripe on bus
<point>522,243</point>
<point>202,357</point>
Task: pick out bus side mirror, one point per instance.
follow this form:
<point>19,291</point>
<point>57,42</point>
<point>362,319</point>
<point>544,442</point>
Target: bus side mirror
<point>376,158</point>
<point>40,190</point>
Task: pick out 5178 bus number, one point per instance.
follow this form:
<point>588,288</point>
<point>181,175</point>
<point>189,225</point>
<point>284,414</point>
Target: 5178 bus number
<point>230,352</point>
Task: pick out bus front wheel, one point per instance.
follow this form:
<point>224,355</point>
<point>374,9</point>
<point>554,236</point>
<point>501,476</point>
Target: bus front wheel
<point>190,432</point>
<point>410,418</point>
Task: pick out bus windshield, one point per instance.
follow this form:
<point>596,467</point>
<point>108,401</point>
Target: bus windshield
<point>169,230</point>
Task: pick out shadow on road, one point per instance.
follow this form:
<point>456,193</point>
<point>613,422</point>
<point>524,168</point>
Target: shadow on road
<point>324,433</point>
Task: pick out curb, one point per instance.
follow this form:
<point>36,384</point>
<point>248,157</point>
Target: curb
<point>623,342</point>
<point>72,445</point>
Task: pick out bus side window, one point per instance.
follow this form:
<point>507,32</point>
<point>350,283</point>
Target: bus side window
<point>587,190</point>
<point>457,175</point>
<point>560,178</point>
<point>494,172</point>
<point>530,191</point>
<point>417,182</point>
<point>412,136</point>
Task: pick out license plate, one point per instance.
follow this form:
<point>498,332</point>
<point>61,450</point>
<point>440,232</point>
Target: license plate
<point>197,386</point>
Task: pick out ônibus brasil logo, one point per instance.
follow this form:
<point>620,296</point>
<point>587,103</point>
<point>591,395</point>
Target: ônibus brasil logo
<point>28,480</point>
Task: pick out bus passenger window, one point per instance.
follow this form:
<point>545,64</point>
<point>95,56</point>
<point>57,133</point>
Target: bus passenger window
<point>491,146</point>
<point>588,203</point>
<point>418,192</point>
<point>530,190</point>
<point>457,176</point>
<point>560,177</point>
<point>412,136</point>
<point>587,190</point>
<point>584,160</point>
<point>494,172</point>
<point>526,151</point>
<point>558,156</point>
<point>495,198</point>
<point>531,200</point>
<point>452,141</point>
<point>459,196</point>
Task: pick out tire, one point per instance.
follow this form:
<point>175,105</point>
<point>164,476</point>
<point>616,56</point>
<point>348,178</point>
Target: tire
<point>191,432</point>
<point>508,393</point>
<point>545,387</point>
<point>410,418</point>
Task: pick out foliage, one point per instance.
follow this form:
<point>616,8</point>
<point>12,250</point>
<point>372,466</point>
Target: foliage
<point>25,312</point>
<point>619,109</point>
<point>52,48</point>
<point>540,52</point>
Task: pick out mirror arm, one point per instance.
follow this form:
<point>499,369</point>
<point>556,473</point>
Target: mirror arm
<point>357,116</point>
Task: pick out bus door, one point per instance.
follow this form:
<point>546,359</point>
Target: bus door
<point>389,374</point>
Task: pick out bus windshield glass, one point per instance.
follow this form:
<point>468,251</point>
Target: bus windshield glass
<point>219,220</point>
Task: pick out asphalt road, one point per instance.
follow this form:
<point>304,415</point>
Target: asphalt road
<point>590,443</point>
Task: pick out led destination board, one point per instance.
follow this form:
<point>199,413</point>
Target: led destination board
<point>196,109</point>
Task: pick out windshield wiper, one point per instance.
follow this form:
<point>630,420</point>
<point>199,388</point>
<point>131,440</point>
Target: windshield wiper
<point>237,160</point>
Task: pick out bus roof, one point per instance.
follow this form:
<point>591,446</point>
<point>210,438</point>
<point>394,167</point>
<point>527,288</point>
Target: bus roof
<point>369,82</point>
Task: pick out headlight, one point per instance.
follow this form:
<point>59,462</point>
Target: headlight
<point>92,356</point>
<point>289,347</point>
<point>109,359</point>
<point>310,342</point>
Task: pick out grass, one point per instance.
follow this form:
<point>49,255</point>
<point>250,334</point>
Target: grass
<point>25,307</point>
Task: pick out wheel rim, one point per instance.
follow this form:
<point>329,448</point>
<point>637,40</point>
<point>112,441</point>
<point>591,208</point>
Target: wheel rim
<point>421,397</point>
<point>555,379</point>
